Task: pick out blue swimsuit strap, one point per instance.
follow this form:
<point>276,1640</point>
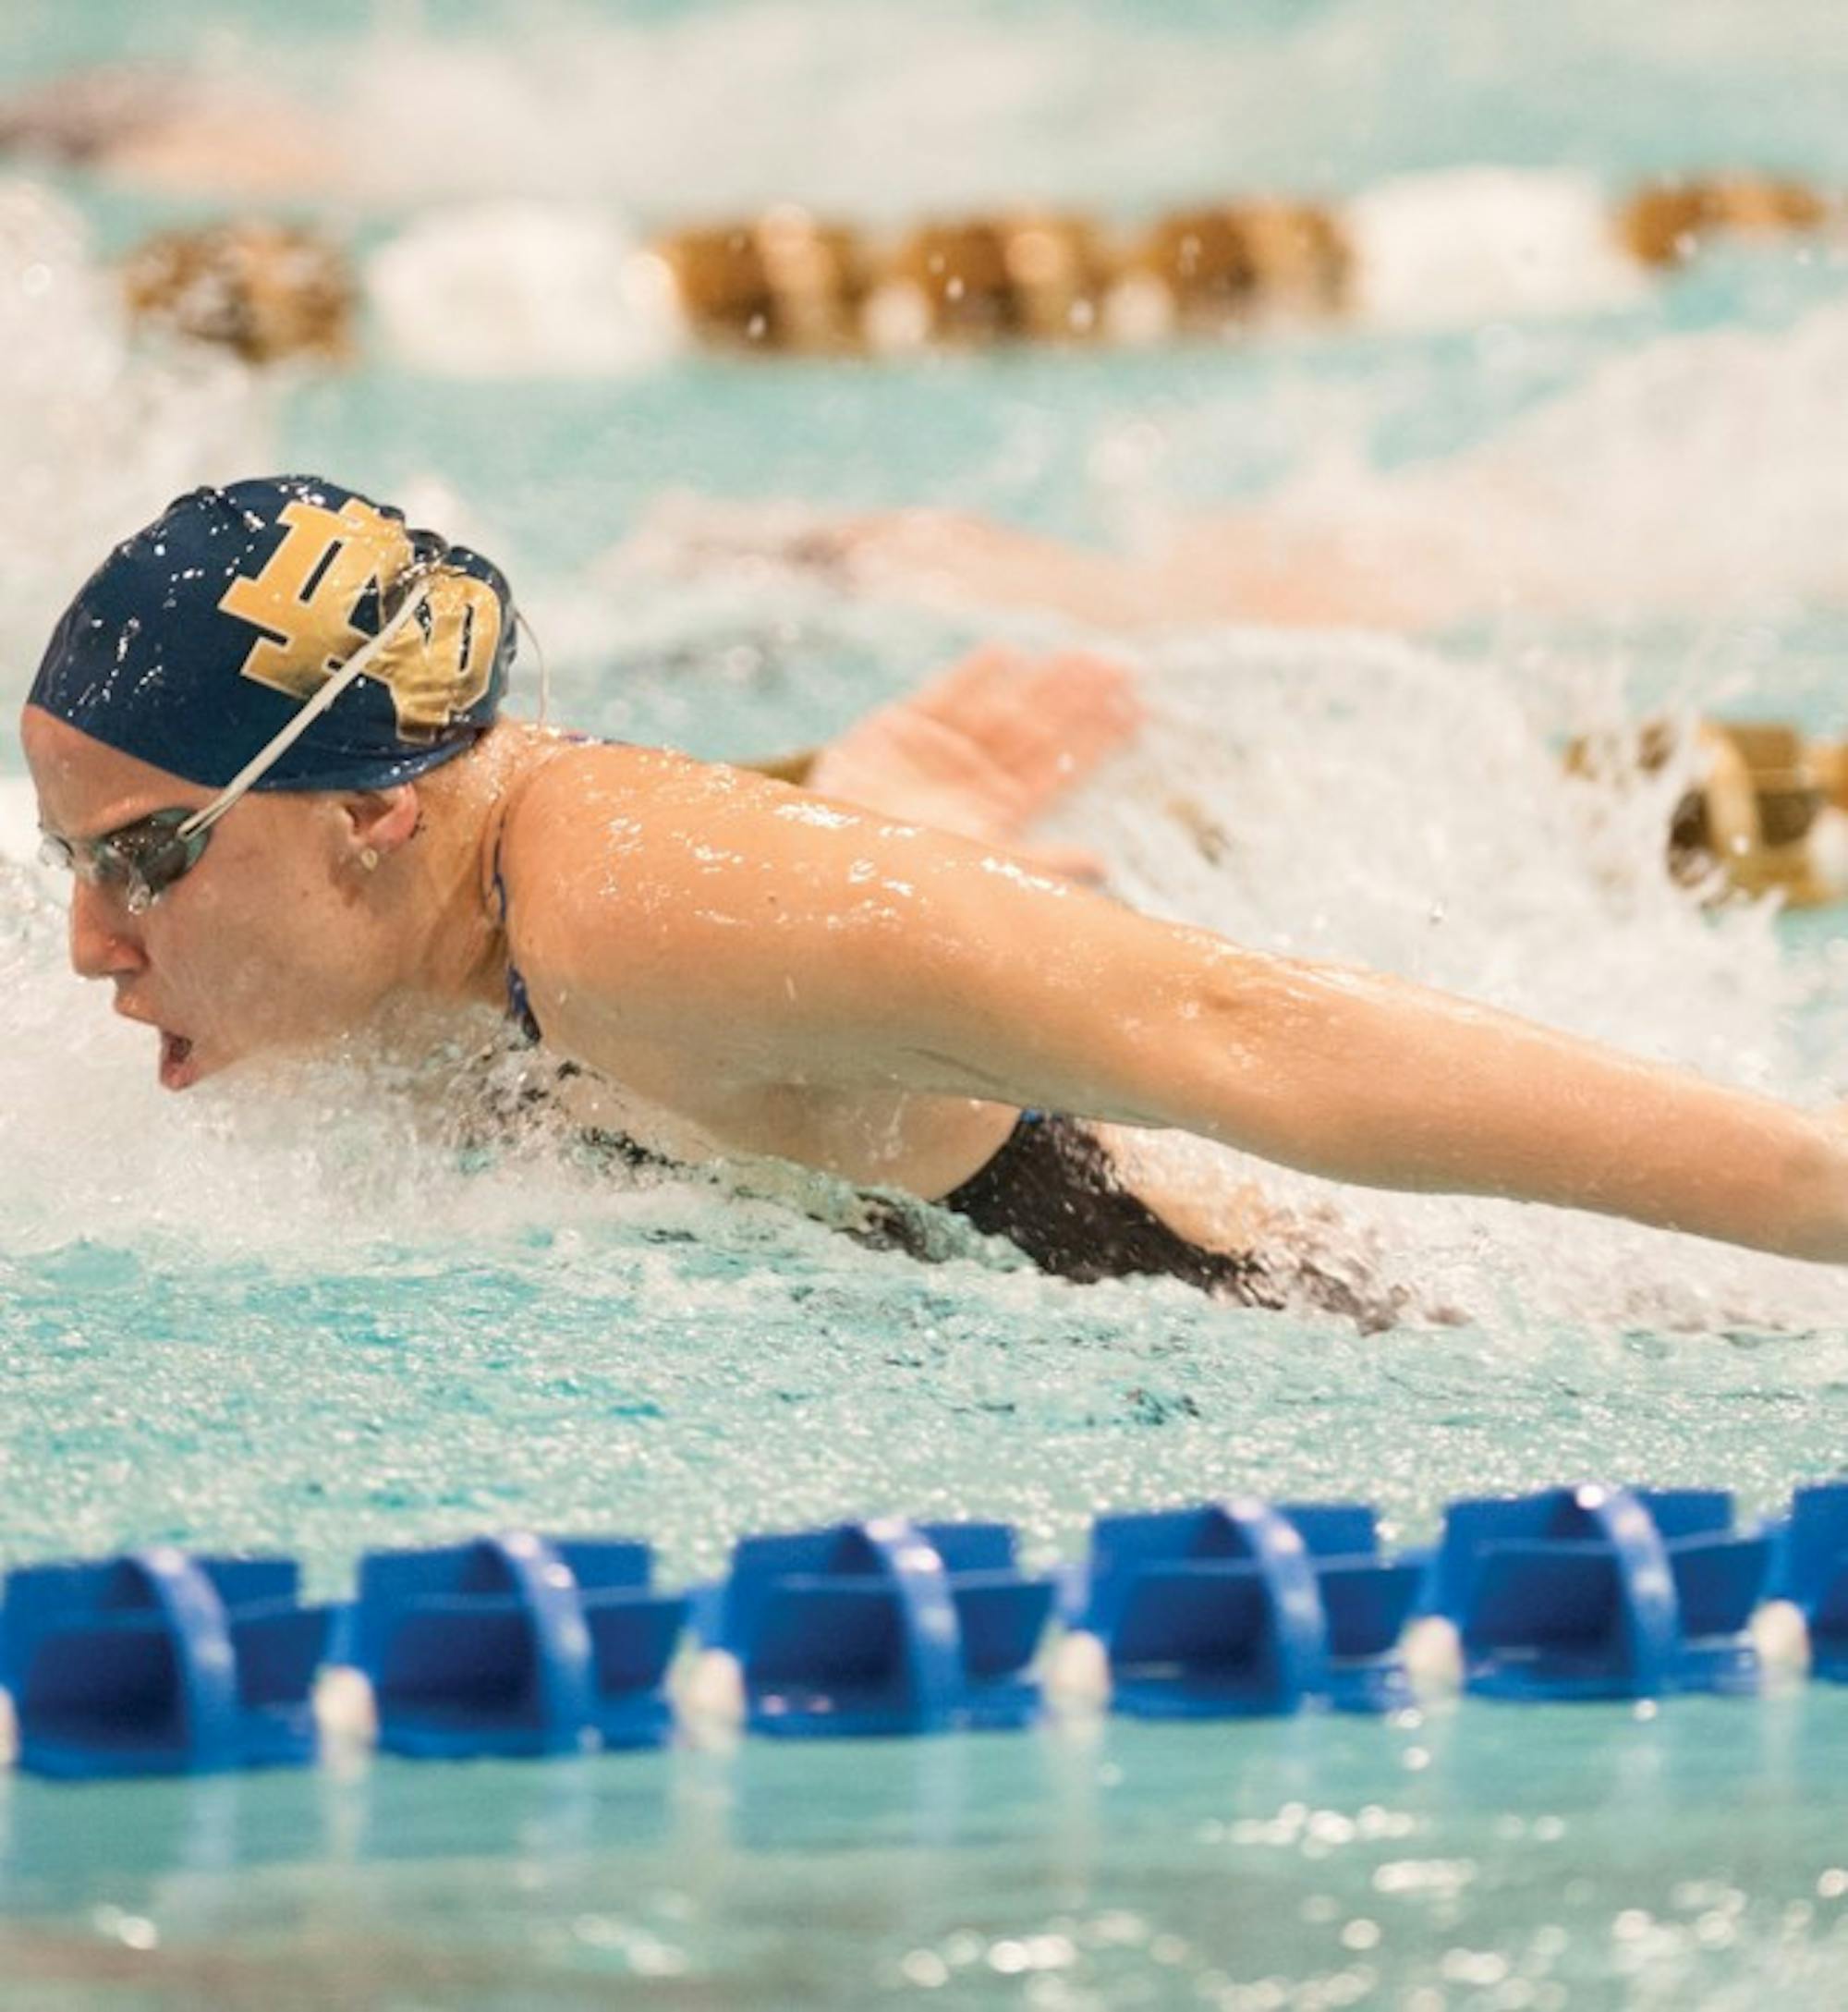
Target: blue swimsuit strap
<point>519,1006</point>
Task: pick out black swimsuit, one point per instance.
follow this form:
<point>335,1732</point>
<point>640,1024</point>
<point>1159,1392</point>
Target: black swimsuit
<point>1053,1190</point>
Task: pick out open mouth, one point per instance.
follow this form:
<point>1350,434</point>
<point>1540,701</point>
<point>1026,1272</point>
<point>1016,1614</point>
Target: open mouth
<point>177,1068</point>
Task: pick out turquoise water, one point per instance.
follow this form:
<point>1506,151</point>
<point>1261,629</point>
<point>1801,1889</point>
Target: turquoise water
<point>300,1317</point>
<point>1554,1857</point>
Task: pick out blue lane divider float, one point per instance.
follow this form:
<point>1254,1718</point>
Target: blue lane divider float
<point>880,1628</point>
<point>1811,1572</point>
<point>515,1645</point>
<point>159,1662</point>
<point>1367,1597</point>
<point>1238,1608</point>
<point>1600,1592</point>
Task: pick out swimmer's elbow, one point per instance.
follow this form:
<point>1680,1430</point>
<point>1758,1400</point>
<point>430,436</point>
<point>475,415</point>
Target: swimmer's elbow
<point>1269,1064</point>
<point>1227,1067</point>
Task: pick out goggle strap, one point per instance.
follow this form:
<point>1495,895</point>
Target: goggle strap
<point>544,669</point>
<point>273,751</point>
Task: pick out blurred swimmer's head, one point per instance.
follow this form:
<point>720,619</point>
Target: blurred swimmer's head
<point>226,736</point>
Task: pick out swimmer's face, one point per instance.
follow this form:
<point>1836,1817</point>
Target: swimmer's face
<point>266,944</point>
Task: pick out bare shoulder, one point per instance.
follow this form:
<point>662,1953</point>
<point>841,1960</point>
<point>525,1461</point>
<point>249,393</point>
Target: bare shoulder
<point>676,885</point>
<point>589,820</point>
<point>574,783</point>
<point>640,867</point>
<point>620,815</point>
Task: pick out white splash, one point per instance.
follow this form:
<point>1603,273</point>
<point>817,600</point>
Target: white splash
<point>1697,475</point>
<point>1366,801</point>
<point>99,434</point>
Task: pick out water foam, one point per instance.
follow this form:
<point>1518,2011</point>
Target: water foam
<point>1703,475</point>
<point>1364,800</point>
<point>98,433</point>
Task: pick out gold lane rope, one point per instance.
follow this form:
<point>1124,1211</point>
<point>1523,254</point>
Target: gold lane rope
<point>787,282</point>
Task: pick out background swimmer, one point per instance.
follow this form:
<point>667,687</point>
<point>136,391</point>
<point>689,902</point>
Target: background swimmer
<point>1692,477</point>
<point>761,970</point>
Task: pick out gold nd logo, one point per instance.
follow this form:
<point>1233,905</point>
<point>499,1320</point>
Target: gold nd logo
<point>304,599</point>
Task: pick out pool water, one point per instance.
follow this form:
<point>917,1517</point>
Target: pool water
<point>1552,1857</point>
<point>297,1313</point>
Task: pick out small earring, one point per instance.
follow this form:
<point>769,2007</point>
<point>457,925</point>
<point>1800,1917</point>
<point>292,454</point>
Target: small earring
<point>369,858</point>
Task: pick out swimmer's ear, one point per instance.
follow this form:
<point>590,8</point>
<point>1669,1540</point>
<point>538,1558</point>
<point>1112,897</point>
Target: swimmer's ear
<point>379,820</point>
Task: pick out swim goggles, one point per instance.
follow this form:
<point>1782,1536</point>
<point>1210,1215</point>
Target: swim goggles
<point>148,855</point>
<point>144,857</point>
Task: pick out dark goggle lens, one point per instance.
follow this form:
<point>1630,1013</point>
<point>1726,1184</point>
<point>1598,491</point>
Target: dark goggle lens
<point>146,858</point>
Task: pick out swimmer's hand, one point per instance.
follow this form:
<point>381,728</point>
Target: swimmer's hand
<point>988,746</point>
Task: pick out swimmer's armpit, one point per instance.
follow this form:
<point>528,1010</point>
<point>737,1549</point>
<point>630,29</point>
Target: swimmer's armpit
<point>788,768</point>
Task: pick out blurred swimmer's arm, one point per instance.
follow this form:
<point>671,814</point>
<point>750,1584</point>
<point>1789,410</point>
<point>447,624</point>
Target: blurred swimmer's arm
<point>783,963</point>
<point>986,747</point>
<point>1259,565</point>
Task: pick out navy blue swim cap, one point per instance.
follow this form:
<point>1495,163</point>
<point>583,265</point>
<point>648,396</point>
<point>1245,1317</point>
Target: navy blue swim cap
<point>199,639</point>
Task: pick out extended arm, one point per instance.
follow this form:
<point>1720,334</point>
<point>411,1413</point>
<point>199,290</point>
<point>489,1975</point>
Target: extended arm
<point>781,951</point>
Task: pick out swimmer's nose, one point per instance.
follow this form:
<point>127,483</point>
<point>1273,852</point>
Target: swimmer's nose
<point>104,941</point>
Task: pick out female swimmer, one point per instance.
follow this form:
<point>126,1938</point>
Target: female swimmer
<point>266,736</point>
